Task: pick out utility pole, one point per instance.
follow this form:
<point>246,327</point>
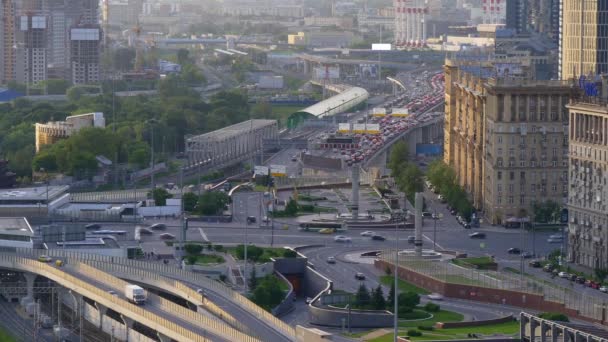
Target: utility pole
<point>395,275</point>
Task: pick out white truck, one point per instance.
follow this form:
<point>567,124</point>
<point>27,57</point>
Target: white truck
<point>135,294</point>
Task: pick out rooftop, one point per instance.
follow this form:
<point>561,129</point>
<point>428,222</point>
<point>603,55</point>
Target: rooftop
<point>234,130</point>
<point>33,193</point>
<point>15,226</point>
<point>331,105</point>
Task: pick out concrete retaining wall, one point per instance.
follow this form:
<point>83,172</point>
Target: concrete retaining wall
<point>358,318</point>
<point>505,319</point>
<point>313,283</point>
<point>288,303</point>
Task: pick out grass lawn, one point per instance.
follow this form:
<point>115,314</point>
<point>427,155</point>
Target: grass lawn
<point>458,279</point>
<point>205,259</point>
<point>6,337</point>
<point>441,316</point>
<point>404,286</point>
<point>508,329</point>
<point>268,253</point>
<point>481,262</point>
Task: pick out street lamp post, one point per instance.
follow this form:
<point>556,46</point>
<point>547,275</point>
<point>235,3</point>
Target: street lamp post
<point>395,275</point>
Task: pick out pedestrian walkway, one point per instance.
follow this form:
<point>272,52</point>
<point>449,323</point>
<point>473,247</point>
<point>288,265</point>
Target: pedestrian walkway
<point>375,334</point>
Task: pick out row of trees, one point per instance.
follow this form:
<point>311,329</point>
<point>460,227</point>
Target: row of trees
<point>374,299</point>
<point>407,175</point>
<point>444,180</point>
<point>209,203</point>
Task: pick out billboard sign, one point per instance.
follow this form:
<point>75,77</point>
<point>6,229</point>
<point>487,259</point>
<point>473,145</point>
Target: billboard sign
<point>260,170</point>
<point>344,127</point>
<point>278,170</point>
<point>382,47</point>
<point>330,73</point>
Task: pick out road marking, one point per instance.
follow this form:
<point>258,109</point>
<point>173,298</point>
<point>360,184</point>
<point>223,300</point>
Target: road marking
<point>203,235</point>
<point>431,240</point>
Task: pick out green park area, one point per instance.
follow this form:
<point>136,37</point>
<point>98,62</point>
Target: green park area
<point>509,330</point>
<point>477,262</point>
<point>404,286</point>
<point>260,254</point>
<point>6,337</point>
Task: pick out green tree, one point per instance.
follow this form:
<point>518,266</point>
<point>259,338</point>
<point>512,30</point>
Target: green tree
<point>291,208</point>
<point>410,180</point>
<point>398,157</point>
<point>160,196</point>
<point>390,301</point>
<point>139,154</point>
<point>190,200</point>
<point>554,316</point>
<point>212,202</point>
<point>268,293</point>
<point>362,297</point>
<point>253,252</point>
<point>183,57</point>
<point>193,248</point>
<point>378,300</point>
<point>408,301</point>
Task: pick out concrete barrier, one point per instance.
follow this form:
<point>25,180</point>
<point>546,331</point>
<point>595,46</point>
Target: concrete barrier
<point>288,302</point>
<point>447,325</point>
<point>334,317</point>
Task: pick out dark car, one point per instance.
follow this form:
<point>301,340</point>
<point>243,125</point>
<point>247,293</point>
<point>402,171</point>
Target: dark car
<point>580,280</point>
<point>93,226</point>
<point>535,264</point>
<point>158,226</point>
<point>527,255</point>
<point>251,219</point>
<point>378,238</point>
<point>359,276</point>
<point>477,235</point>
<point>514,251</point>
<point>573,277</point>
<point>467,226</point>
<point>548,268</point>
<point>453,211</point>
<point>411,239</point>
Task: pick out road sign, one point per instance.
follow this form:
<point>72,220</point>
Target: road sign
<point>381,47</point>
<point>260,170</point>
<point>278,170</point>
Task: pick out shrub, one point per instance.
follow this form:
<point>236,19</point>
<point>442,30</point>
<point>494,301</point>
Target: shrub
<point>413,333</point>
<point>289,253</point>
<point>193,249</point>
<point>431,307</point>
<point>426,328</point>
<point>218,248</point>
<point>191,259</point>
<point>554,316</point>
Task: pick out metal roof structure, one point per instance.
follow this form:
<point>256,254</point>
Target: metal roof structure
<point>233,130</point>
<point>337,104</point>
<point>15,226</point>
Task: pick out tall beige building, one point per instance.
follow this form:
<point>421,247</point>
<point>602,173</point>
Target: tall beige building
<point>506,136</point>
<point>588,199</point>
<point>51,132</point>
<point>583,46</point>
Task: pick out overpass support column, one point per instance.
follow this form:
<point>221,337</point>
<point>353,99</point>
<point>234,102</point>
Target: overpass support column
<point>163,338</point>
<point>128,324</point>
<point>102,312</point>
<point>355,190</point>
<point>29,279</point>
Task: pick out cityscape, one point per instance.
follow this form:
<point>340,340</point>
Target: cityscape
<point>303,170</point>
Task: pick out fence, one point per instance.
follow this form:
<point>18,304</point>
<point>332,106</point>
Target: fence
<point>586,305</point>
<point>147,318</point>
<point>114,264</point>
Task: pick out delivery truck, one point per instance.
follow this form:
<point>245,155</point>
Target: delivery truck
<point>135,294</point>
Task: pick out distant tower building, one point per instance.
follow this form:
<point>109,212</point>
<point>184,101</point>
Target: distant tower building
<point>85,54</point>
<point>517,15</point>
<point>493,11</point>
<point>31,48</point>
<point>410,22</point>
<point>583,48</point>
<point>7,41</point>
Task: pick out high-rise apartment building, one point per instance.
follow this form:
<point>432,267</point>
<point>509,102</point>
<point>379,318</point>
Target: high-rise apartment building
<point>588,195</point>
<point>31,48</point>
<point>494,11</point>
<point>84,54</point>
<point>411,22</point>
<point>506,136</point>
<point>583,42</point>
<point>7,41</point>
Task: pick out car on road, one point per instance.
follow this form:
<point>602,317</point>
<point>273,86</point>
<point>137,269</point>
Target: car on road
<point>426,214</point>
<point>342,238</point>
<point>92,226</point>
<point>554,240</point>
<point>158,226</point>
<point>326,231</point>
<point>378,238</point>
<point>514,250</point>
<point>435,296</point>
<point>145,231</point>
<point>251,219</point>
<point>411,239</point>
<point>467,226</point>
<point>548,268</point>
<point>535,264</point>
<point>45,258</point>
<point>604,289</point>
<point>359,276</point>
<point>367,233</point>
<point>331,260</point>
<point>113,293</point>
<point>477,235</point>
<point>580,280</point>
<point>527,255</point>
<point>166,236</point>
<point>572,277</point>
<point>563,275</point>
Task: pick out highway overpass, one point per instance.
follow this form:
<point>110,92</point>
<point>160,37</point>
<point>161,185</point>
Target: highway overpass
<point>222,315</point>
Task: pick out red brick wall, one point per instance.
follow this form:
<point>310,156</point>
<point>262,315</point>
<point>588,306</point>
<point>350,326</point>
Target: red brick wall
<point>482,294</point>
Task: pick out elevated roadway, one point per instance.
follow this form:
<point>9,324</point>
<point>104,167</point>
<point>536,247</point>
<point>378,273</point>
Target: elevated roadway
<point>223,315</point>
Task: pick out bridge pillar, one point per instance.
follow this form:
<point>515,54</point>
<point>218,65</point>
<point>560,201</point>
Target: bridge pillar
<point>29,279</point>
<point>355,190</point>
<point>102,312</point>
<point>163,338</point>
<point>128,324</point>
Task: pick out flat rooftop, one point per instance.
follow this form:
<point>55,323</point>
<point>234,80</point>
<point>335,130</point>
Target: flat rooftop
<point>92,206</point>
<point>88,243</point>
<point>15,226</point>
<point>38,194</point>
<point>234,130</point>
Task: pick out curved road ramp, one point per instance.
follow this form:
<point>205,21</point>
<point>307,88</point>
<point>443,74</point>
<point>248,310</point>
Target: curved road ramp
<point>214,313</point>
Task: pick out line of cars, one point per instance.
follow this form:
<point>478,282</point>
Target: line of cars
<point>575,278</point>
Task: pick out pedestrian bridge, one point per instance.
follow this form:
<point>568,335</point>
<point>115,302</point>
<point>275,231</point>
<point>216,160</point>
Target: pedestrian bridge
<point>221,314</point>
